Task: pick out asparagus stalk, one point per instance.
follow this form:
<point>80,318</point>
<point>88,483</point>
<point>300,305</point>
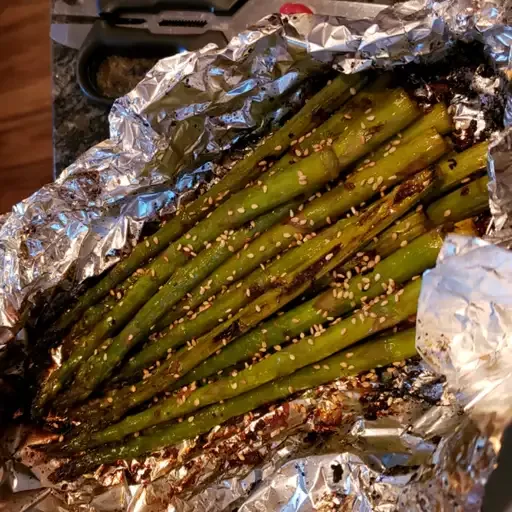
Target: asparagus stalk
<point>289,276</point>
<point>398,235</point>
<point>303,177</point>
<point>401,233</point>
<point>307,351</point>
<point>466,201</point>
<point>366,99</point>
<point>311,115</point>
<point>437,117</point>
<point>196,269</point>
<point>399,108</point>
<point>399,267</point>
<point>456,168</point>
<point>377,352</point>
<point>361,186</point>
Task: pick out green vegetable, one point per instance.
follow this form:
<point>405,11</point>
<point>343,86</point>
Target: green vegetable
<point>275,189</point>
<point>378,126</point>
<point>377,352</point>
<point>307,351</point>
<point>311,115</point>
<point>287,278</point>
<point>368,98</point>
<point>467,201</point>
<point>456,168</point>
<point>361,186</point>
<point>401,266</point>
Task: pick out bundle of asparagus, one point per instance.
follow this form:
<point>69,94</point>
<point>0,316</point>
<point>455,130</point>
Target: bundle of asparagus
<point>215,306</point>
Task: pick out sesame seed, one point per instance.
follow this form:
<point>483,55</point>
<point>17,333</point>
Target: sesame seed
<point>326,366</point>
<point>329,256</point>
<point>382,319</point>
<point>196,402</point>
<point>403,243</point>
<point>353,91</point>
<point>250,255</point>
<point>290,389</point>
<point>447,213</point>
<point>351,367</point>
<point>343,364</point>
<point>278,148</point>
<point>110,399</point>
<point>287,235</point>
<point>394,236</point>
<point>241,210</point>
<point>234,385</point>
<point>370,118</point>
<point>347,116</point>
<point>317,367</point>
<point>298,152</point>
<point>147,243</point>
<point>258,309</point>
<point>190,419</point>
<point>292,357</point>
<point>392,150</point>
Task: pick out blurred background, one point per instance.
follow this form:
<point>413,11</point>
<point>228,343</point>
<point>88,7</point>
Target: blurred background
<point>25,99</point>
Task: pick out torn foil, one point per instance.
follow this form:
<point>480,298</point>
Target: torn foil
<point>76,228</point>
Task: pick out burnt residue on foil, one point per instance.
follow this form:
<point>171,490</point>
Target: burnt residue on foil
<point>329,448</point>
<point>466,82</point>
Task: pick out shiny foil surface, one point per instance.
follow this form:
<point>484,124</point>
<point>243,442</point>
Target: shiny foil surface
<point>407,441</point>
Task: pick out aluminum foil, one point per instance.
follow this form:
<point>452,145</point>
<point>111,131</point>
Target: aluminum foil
<point>326,449</point>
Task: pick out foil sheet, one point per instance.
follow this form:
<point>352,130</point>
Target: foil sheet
<point>324,450</point>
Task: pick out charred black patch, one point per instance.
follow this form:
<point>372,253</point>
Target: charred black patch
<point>452,163</point>
<point>374,129</point>
<point>363,104</point>
<point>464,191</point>
<point>337,473</point>
<point>232,331</point>
<point>349,185</point>
<point>482,223</point>
<point>320,115</point>
<point>406,190</point>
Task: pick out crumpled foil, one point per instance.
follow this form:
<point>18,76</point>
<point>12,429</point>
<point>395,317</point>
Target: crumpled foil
<point>326,449</point>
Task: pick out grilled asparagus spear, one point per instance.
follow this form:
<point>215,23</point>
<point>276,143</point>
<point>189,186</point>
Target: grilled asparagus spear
<point>276,189</point>
<point>311,115</point>
<point>361,186</point>
<point>307,351</point>
<point>376,352</point>
<point>457,168</point>
<point>466,201</point>
<point>399,267</point>
<point>286,278</point>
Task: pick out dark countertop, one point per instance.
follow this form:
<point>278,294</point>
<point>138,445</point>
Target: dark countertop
<point>78,124</point>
